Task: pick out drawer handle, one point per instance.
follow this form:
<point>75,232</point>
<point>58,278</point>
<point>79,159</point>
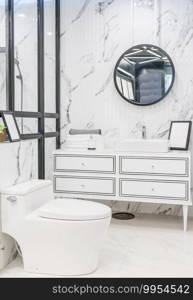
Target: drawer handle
<point>153,190</point>
<point>83,164</point>
<point>82,186</point>
<point>153,166</point>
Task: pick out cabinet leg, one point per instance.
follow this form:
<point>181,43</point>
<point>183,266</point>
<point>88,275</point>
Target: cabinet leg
<point>185,216</point>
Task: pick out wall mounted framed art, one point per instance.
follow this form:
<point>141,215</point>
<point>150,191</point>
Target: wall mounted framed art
<point>179,135</point>
<point>11,126</point>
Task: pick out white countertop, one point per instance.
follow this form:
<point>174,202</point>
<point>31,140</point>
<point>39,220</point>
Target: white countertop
<point>114,152</point>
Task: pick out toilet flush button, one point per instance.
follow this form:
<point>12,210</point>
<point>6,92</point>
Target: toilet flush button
<point>12,199</point>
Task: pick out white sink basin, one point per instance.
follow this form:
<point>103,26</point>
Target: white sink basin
<point>143,145</point>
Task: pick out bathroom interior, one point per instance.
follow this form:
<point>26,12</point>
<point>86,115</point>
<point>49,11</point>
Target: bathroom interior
<point>96,105</point>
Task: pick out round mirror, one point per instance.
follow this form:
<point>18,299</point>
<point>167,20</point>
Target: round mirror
<point>144,74</point>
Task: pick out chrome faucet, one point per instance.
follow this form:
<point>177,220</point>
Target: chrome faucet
<point>144,132</point>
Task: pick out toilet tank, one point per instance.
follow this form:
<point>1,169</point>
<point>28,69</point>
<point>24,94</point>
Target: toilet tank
<point>22,199</point>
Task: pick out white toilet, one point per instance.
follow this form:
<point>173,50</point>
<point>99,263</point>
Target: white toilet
<point>56,236</point>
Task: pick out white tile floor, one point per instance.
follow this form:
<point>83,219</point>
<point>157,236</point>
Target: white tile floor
<point>148,246</point>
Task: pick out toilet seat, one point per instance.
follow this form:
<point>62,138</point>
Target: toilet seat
<point>74,210</point>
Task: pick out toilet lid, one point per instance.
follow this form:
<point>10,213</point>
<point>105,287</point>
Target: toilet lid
<point>27,187</point>
<point>71,209</point>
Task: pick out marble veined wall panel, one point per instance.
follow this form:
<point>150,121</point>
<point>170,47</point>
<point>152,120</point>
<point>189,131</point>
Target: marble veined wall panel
<point>25,25</point>
<point>2,57</point>
<point>93,35</point>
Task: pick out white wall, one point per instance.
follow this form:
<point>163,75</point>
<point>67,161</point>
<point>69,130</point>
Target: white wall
<point>25,25</point>
<point>93,36</point>
<point>2,57</point>
<point>18,163</point>
<point>26,52</point>
<point>19,160</point>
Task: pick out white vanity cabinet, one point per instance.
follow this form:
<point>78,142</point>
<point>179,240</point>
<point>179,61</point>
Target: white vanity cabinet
<point>148,177</point>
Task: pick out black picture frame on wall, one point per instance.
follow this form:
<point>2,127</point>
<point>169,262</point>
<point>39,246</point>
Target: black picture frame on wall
<point>179,135</point>
<point>11,126</point>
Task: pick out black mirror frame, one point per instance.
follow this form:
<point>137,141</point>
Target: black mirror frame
<point>171,85</point>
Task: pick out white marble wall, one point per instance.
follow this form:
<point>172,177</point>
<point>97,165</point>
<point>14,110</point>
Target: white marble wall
<point>2,81</point>
<point>49,45</point>
<point>18,160</point>
<point>2,57</point>
<point>50,147</point>
<point>18,163</point>
<point>93,35</point>
<point>2,23</point>
<point>50,87</point>
<point>25,23</point>
<point>26,84</point>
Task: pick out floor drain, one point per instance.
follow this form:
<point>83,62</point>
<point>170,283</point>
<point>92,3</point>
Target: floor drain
<point>123,216</point>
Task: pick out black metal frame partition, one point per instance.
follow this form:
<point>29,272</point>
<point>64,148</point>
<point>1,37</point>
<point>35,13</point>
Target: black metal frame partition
<point>10,89</point>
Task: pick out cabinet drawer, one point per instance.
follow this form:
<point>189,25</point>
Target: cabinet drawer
<point>161,189</point>
<point>154,166</point>
<point>84,163</point>
<point>84,185</point>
